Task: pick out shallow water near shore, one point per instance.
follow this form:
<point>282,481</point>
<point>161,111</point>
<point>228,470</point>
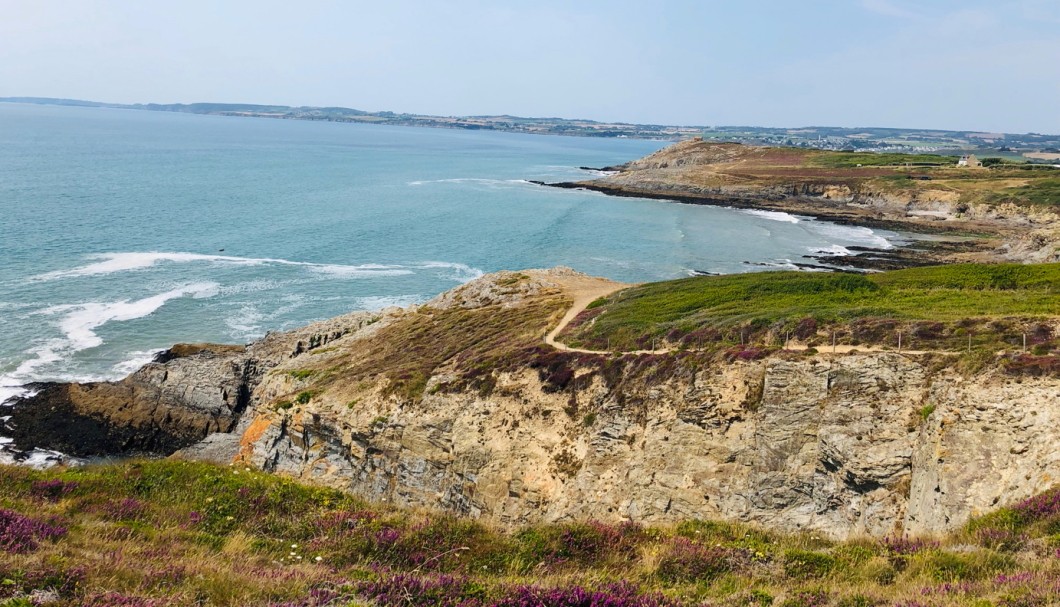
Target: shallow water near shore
<point>122,232</point>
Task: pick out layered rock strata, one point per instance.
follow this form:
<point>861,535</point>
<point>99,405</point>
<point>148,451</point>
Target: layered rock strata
<point>871,443</point>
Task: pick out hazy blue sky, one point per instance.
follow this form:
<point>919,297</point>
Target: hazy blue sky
<point>955,64</point>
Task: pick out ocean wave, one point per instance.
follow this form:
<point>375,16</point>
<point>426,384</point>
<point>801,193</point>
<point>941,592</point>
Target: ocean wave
<point>124,262</point>
<point>78,323</point>
<point>379,302</point>
<point>136,360</point>
<point>772,215</point>
<point>362,271</point>
<point>835,250</point>
<point>858,235</point>
<point>458,272</point>
<point>246,323</point>
<point>475,180</point>
<point>130,261</point>
<point>11,391</point>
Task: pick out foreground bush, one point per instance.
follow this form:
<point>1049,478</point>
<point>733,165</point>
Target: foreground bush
<point>154,533</point>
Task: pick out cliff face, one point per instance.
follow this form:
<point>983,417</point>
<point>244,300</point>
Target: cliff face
<point>872,443</point>
<point>836,445</point>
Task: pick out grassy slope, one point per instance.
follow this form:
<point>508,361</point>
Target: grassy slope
<point>177,533</point>
<point>765,307</point>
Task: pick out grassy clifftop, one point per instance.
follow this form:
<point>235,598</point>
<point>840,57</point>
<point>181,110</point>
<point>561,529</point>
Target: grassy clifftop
<point>936,307</point>
<point>702,164</point>
<point>176,533</point>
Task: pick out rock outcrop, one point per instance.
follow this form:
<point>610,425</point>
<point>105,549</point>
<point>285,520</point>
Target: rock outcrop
<point>506,429</point>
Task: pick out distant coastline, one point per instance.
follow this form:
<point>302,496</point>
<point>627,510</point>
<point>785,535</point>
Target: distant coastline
<point>1028,146</point>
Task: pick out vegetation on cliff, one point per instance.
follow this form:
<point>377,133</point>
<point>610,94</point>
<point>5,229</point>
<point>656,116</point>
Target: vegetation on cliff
<point>168,532</point>
<point>944,308</point>
<point>701,168</point>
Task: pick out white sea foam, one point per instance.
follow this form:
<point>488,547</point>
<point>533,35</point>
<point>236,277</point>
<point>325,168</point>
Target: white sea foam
<point>362,271</point>
<point>772,215</point>
<point>78,323</point>
<point>9,392</point>
<point>136,360</point>
<point>80,320</point>
<point>125,262</point>
<point>851,234</point>
<point>380,302</point>
<point>456,271</point>
<point>473,180</point>
<point>835,250</point>
<point>37,458</point>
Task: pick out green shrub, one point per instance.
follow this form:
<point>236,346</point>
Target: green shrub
<point>803,564</point>
<point>944,566</point>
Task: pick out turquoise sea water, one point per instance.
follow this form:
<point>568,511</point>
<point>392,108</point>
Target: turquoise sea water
<point>122,232</point>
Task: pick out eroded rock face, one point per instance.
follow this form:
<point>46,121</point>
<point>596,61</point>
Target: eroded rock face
<point>870,443</point>
<point>836,445</point>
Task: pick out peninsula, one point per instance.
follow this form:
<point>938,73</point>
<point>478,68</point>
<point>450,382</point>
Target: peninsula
<point>991,210</point>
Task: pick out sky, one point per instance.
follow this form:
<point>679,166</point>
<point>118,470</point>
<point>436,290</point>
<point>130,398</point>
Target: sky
<point>989,65</point>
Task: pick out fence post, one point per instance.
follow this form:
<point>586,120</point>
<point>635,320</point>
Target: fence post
<point>899,342</point>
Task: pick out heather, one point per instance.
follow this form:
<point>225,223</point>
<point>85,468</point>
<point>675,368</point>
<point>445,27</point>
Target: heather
<point>153,533</point>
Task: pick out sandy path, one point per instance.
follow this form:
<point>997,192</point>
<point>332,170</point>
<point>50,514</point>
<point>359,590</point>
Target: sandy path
<point>584,290</point>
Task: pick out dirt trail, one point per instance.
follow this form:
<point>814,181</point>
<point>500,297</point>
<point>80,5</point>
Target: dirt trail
<point>584,290</point>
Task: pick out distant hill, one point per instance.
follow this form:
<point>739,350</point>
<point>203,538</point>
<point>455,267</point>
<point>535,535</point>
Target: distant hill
<point>869,139</point>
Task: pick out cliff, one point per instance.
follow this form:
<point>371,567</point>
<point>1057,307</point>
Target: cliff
<point>459,405</point>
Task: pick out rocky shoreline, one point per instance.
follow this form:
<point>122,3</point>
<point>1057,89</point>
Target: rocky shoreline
<point>947,243</point>
<point>504,428</point>
<point>923,203</point>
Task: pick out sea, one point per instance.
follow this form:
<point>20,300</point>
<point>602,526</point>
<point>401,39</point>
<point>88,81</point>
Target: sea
<point>124,231</point>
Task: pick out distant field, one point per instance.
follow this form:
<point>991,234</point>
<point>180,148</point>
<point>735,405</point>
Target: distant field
<point>857,159</point>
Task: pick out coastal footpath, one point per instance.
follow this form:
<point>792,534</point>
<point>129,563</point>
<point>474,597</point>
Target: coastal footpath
<point>460,405</point>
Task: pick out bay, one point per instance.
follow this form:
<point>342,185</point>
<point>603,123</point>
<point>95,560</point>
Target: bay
<point>122,232</point>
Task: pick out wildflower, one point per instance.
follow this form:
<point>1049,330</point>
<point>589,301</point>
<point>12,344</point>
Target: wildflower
<point>293,546</point>
<point>318,559</point>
